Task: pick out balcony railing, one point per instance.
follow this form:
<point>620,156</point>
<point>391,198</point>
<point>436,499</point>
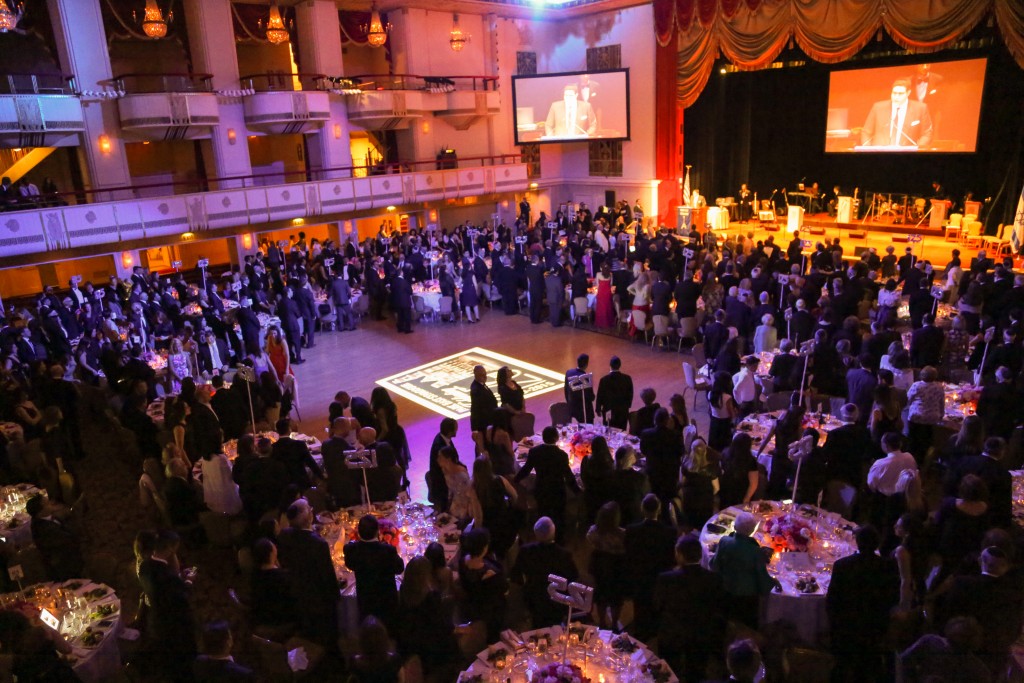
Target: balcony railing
<point>36,84</point>
<point>138,84</point>
<point>415,82</point>
<point>279,81</point>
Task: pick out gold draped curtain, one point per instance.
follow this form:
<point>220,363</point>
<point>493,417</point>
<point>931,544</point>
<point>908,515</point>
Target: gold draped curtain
<point>752,33</point>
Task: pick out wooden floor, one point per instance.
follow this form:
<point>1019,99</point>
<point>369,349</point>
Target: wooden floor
<point>353,361</point>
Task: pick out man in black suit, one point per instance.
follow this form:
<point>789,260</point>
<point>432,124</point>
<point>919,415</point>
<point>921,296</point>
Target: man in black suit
<point>999,405</point>
<point>58,545</point>
<point>649,547</point>
<point>136,368</point>
<point>684,642</point>
<point>264,481</point>
<point>482,402</point>
<point>288,311</point>
<point>437,487</point>
<point>921,301</point>
<point>553,476</point>
<point>342,482</point>
<point>184,498</point>
<point>250,326</point>
<point>581,401</point>
<point>535,286</point>
<point>295,456</point>
<point>801,324</point>
<point>401,301</point>
<point>993,472</point>
<point>341,297</point>
<point>686,294</point>
<point>926,343</point>
<point>863,589</point>
<point>216,662</point>
<point>375,564</point>
<point>214,356</point>
<point>849,450</point>
<point>615,395</point>
<point>663,448</point>
<point>204,426</point>
<point>994,599</point>
<point>307,557</point>
<point>533,565</point>
<point>307,309</point>
<point>715,335</point>
<point>230,407</point>
<point>170,622</point>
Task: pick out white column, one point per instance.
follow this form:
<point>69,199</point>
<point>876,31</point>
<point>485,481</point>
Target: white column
<point>320,51</point>
<point>212,41</point>
<point>82,48</point>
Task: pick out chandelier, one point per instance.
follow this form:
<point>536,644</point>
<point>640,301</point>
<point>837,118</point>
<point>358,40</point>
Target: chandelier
<point>457,39</point>
<point>376,32</point>
<point>9,18</point>
<point>277,31</point>
<point>154,22</point>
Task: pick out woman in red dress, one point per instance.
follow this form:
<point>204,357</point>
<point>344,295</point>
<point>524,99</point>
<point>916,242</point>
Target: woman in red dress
<point>604,309</point>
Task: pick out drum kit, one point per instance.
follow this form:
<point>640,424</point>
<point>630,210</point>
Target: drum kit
<point>887,207</point>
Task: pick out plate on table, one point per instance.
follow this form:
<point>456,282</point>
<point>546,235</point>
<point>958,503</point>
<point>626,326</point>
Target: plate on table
<point>470,677</point>
<point>91,639</point>
<point>584,631</point>
<point>493,653</point>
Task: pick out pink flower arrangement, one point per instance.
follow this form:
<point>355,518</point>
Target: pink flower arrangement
<point>560,673</point>
<point>788,533</point>
<point>580,444</point>
<point>388,532</point>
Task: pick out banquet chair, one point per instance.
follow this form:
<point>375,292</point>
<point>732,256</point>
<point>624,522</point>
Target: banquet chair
<point>693,382</point>
<point>419,309</point>
<point>972,236</point>
<point>522,425</point>
<point>661,330</point>
<point>699,359</point>
<point>559,414</point>
<point>329,318</point>
<point>953,227</point>
<point>446,310</point>
<point>273,658</point>
<point>361,306</point>
<point>687,330</point>
<point>640,322</point>
<point>999,242</point>
<point>623,319</point>
<point>580,309</point>
<point>777,401</point>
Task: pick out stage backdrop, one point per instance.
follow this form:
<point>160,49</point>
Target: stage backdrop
<point>765,128</point>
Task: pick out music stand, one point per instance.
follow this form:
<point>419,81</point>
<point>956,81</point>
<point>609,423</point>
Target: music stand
<point>363,459</point>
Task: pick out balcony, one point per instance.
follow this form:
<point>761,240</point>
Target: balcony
<point>386,102</point>
<point>283,104</point>
<point>39,110</point>
<point>172,106</point>
<point>47,233</point>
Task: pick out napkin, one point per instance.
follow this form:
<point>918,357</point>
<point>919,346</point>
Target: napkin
<point>297,659</point>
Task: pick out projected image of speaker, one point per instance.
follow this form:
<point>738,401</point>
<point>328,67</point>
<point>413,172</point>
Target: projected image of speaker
<point>571,106</point>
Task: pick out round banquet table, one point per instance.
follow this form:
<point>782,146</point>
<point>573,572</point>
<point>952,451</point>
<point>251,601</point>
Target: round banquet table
<point>575,439</point>
<point>430,292</point>
<point>414,527</point>
<point>759,425</point>
<point>804,574</point>
<point>1018,496</point>
<point>15,523</point>
<point>600,655</point>
<point>230,449</point>
<point>80,604</point>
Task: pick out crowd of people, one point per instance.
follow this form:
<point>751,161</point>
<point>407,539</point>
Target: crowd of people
<point>937,575</point>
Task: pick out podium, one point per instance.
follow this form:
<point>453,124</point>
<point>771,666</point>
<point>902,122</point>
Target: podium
<point>937,219</point>
<point>795,218</point>
<point>844,210</point>
<point>699,217</point>
<point>684,221</point>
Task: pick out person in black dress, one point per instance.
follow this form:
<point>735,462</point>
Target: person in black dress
<point>483,582</point>
<point>496,497</point>
<point>739,479</point>
<point>511,394</point>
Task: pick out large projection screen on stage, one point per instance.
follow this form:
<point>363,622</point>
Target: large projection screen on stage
<point>921,107</point>
<point>571,106</point>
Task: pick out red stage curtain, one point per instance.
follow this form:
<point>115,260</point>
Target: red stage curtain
<point>752,33</point>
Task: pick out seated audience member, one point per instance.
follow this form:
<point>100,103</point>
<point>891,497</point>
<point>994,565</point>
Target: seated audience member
<point>184,499</point>
<point>273,610</point>
<point>57,544</point>
<point>216,662</point>
<point>376,661</point>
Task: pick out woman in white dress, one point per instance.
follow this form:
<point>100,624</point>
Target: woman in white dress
<point>220,493</point>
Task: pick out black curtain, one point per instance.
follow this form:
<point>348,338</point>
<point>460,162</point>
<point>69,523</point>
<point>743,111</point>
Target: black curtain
<point>767,129</point>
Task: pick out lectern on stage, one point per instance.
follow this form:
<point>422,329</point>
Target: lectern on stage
<point>844,210</point>
<point>938,216</point>
<point>795,218</point>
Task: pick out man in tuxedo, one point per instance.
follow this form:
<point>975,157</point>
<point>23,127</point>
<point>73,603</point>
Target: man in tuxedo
<point>263,483</point>
<point>615,395</point>
<point>216,662</point>
<point>250,326</point>
<point>989,466</point>
<point>58,545</point>
<point>553,476</point>
<point>307,557</point>
<point>375,564</point>
<point>570,116</point>
<point>745,203</point>
<point>663,448</point>
<point>341,297</point>
<point>926,343</point>
<point>535,282</point>
<point>649,546</point>
<point>307,309</point>
<point>581,401</point>
<point>213,354</point>
<point>684,642</point>
<point>170,621</point>
<point>535,562</point>
<point>295,456</point>
<point>342,482</point>
<point>207,436</point>
<point>288,311</point>
<point>863,589</point>
<point>482,402</point>
<point>401,301</point>
<point>437,487</point>
<point>898,121</point>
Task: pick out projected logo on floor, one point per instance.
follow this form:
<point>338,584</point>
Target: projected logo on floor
<point>443,385</point>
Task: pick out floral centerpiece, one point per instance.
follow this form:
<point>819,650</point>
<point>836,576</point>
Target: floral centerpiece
<point>388,532</point>
<point>560,673</point>
<point>580,444</point>
<point>788,533</point>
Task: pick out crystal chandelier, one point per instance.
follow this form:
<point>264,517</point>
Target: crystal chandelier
<point>154,23</point>
<point>457,39</point>
<point>9,18</point>
<point>277,32</point>
<point>376,32</point>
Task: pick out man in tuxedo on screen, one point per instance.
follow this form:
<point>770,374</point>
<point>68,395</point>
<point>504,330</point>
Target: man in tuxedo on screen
<point>898,121</point>
<point>570,116</point>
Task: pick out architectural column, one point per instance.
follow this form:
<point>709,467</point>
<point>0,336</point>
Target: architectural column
<point>124,261</point>
<point>211,40</point>
<point>668,125</point>
<point>240,246</point>
<point>82,49</point>
<point>320,52</point>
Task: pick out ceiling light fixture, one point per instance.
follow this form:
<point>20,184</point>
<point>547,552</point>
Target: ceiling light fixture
<point>376,31</point>
<point>457,39</point>
<point>154,20</point>
<point>276,29</point>
<point>9,18</point>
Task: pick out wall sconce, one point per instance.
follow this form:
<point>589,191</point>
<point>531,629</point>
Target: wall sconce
<point>533,186</point>
<point>390,209</point>
<point>337,131</point>
<point>433,215</point>
<point>298,221</point>
<point>232,136</point>
<point>105,145</point>
<point>126,259</point>
<point>247,240</point>
<point>425,127</point>
<point>187,236</point>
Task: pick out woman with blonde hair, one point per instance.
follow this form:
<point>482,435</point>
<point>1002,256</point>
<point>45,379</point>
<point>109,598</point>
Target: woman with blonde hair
<point>700,475</point>
<point>641,291</point>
